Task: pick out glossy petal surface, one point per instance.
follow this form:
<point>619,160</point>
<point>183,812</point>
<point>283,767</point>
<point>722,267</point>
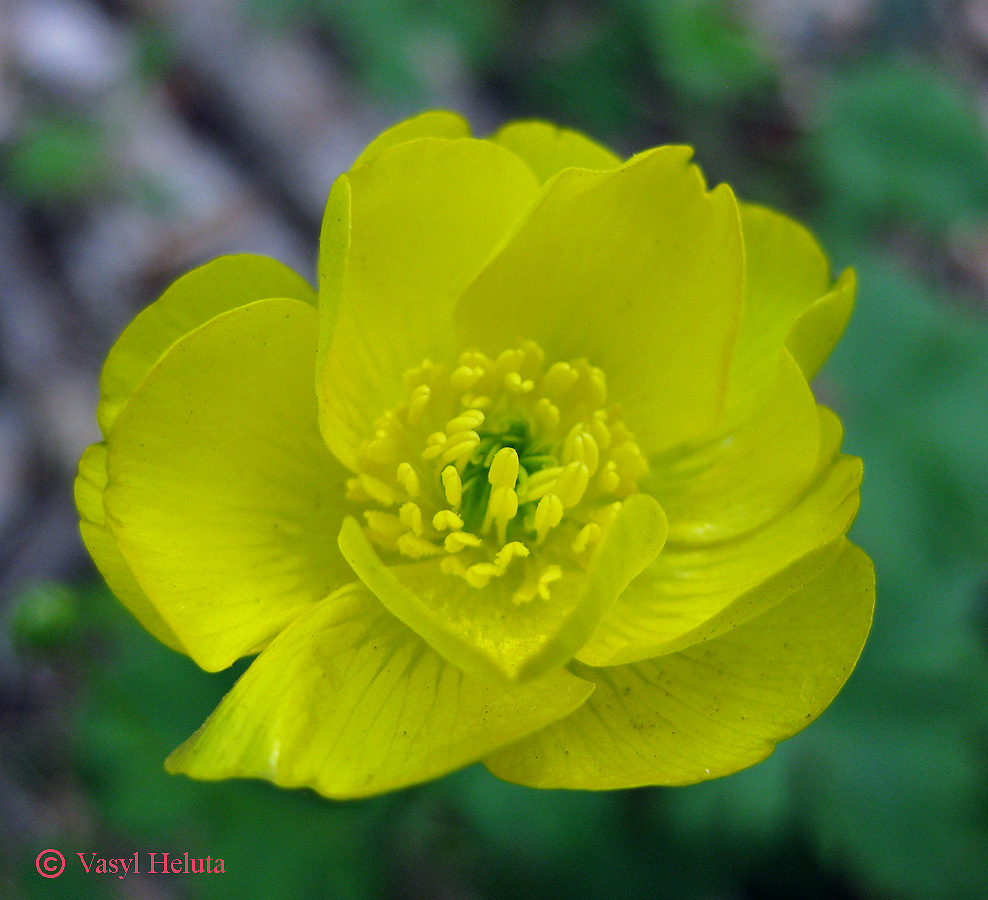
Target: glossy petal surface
<point>485,632</point>
<point>816,331</point>
<point>212,289</point>
<point>650,292</point>
<point>424,216</point>
<point>785,272</point>
<point>548,149</point>
<point>740,480</point>
<point>222,496</point>
<point>693,592</point>
<point>436,123</point>
<point>102,546</point>
<point>350,702</point>
<point>714,708</point>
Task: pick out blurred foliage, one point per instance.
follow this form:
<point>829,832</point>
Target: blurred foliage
<point>56,158</point>
<point>885,796</point>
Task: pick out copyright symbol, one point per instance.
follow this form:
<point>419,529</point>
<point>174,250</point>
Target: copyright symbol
<point>50,863</point>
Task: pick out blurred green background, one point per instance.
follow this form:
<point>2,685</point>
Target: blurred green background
<point>141,137</point>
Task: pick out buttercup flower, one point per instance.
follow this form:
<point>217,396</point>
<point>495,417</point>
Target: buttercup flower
<point>535,478</point>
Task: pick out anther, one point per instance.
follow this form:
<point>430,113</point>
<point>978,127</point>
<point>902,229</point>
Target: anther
<point>609,478</point>
<point>465,421</point>
<point>514,384</point>
<point>598,387</point>
<point>465,377</point>
<point>580,445</point>
<point>382,448</point>
<point>509,552</point>
<point>417,404</point>
<point>504,468</point>
<point>378,490</point>
<point>548,514</point>
<point>446,520</point>
<point>599,429</point>
<point>541,482</point>
<point>476,402</point>
<point>588,536</point>
<point>459,447</point>
<point>559,379</point>
<point>547,414</point>
<point>452,486</point>
<point>549,574</point>
<point>458,540</point>
<point>408,478</point>
<point>435,444</point>
<point>479,574</point>
<point>452,565</point>
<point>572,483</point>
<point>410,515</point>
<point>385,524</point>
<point>415,547</point>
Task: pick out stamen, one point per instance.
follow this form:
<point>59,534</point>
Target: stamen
<point>452,486</point>
<point>580,445</point>
<point>459,447</point>
<point>515,385</point>
<point>549,574</point>
<point>408,478</point>
<point>417,404</point>
<point>458,540</point>
<point>599,429</point>
<point>447,520</point>
<point>385,525</point>
<point>415,547</point>
<point>508,552</point>
<point>542,482</point>
<point>547,414</point>
<point>410,515</point>
<point>504,468</point>
<point>465,377</point>
<point>559,379</point>
<point>435,444</point>
<point>495,464</point>
<point>479,574</point>
<point>501,508</point>
<point>378,490</point>
<point>548,514</point>
<point>589,536</point>
<point>572,483</point>
<point>609,478</point>
<point>382,449</point>
<point>478,402</point>
<point>452,565</point>
<point>465,421</point>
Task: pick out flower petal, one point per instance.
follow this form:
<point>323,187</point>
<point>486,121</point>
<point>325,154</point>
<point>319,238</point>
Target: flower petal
<point>220,285</point>
<point>485,632</point>
<point>737,482</point>
<point>818,328</point>
<point>350,702</point>
<point>435,123</point>
<point>694,592</point>
<point>425,215</point>
<point>549,149</point>
<point>714,708</point>
<point>222,495</point>
<point>640,270</point>
<point>102,546</point>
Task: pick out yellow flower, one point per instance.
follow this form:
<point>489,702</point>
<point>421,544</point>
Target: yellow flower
<point>537,479</point>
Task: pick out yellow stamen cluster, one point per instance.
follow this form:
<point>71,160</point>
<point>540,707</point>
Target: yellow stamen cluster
<point>496,461</point>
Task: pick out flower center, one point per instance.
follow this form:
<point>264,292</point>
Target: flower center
<point>501,467</point>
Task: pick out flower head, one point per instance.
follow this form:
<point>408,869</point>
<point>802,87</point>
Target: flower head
<point>535,478</point>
